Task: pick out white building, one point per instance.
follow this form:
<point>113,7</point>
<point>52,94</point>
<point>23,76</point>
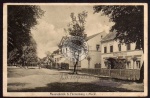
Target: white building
<point>94,50</point>
<point>62,59</point>
<point>124,54</point>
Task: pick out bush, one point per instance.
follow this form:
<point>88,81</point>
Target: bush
<point>64,66</point>
<point>97,65</point>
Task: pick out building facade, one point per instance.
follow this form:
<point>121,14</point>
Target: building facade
<point>62,59</point>
<point>120,56</point>
<point>94,55</point>
<point>94,52</point>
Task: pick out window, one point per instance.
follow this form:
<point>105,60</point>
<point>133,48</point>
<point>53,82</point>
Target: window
<point>129,64</point>
<point>105,49</point>
<point>97,47</point>
<point>119,47</point>
<point>111,48</point>
<point>128,46</point>
<point>138,64</point>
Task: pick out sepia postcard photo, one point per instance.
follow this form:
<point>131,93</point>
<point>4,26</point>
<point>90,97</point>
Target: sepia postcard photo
<point>72,49</point>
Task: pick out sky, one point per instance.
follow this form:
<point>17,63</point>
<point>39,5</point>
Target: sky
<point>50,28</point>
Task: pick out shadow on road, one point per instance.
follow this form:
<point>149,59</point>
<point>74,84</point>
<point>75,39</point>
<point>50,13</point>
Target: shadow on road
<point>73,87</point>
<point>17,84</point>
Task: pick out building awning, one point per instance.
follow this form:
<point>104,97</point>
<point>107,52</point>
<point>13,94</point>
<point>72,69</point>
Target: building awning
<point>111,58</point>
<point>137,55</point>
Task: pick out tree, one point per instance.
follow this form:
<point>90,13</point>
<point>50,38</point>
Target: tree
<point>29,54</point>
<point>129,25</point>
<point>49,59</point>
<point>76,29</point>
<point>129,22</point>
<point>21,18</point>
<point>13,57</point>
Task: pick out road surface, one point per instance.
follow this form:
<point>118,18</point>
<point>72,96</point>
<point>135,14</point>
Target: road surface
<point>48,80</point>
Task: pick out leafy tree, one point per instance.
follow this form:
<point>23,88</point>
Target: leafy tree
<point>21,18</point>
<point>129,22</point>
<point>49,59</point>
<point>13,57</point>
<point>76,29</point>
<point>29,54</point>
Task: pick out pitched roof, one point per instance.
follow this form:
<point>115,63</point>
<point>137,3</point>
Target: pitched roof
<point>87,38</point>
<point>56,51</point>
<point>90,37</point>
<point>109,36</point>
<point>60,43</point>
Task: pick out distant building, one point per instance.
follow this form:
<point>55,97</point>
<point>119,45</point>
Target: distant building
<point>56,58</point>
<point>94,53</point>
<point>119,56</point>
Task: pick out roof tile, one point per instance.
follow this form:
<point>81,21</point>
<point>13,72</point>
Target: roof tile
<point>109,36</point>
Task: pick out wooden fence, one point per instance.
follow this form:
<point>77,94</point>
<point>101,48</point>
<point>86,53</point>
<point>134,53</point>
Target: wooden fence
<point>125,74</point>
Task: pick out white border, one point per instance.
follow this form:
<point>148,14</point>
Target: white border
<point>27,94</point>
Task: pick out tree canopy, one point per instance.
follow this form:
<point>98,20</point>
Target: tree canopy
<point>28,54</point>
<point>129,22</point>
<point>21,19</point>
<point>76,29</point>
<point>77,26</point>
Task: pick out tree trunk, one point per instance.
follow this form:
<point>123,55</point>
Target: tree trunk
<point>140,45</point>
<point>74,71</point>
<point>141,73</point>
<point>88,67</point>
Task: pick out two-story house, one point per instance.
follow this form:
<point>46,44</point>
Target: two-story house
<point>62,58</point>
<point>119,56</point>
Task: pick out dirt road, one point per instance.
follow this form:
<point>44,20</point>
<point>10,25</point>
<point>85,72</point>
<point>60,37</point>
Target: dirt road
<point>46,80</point>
